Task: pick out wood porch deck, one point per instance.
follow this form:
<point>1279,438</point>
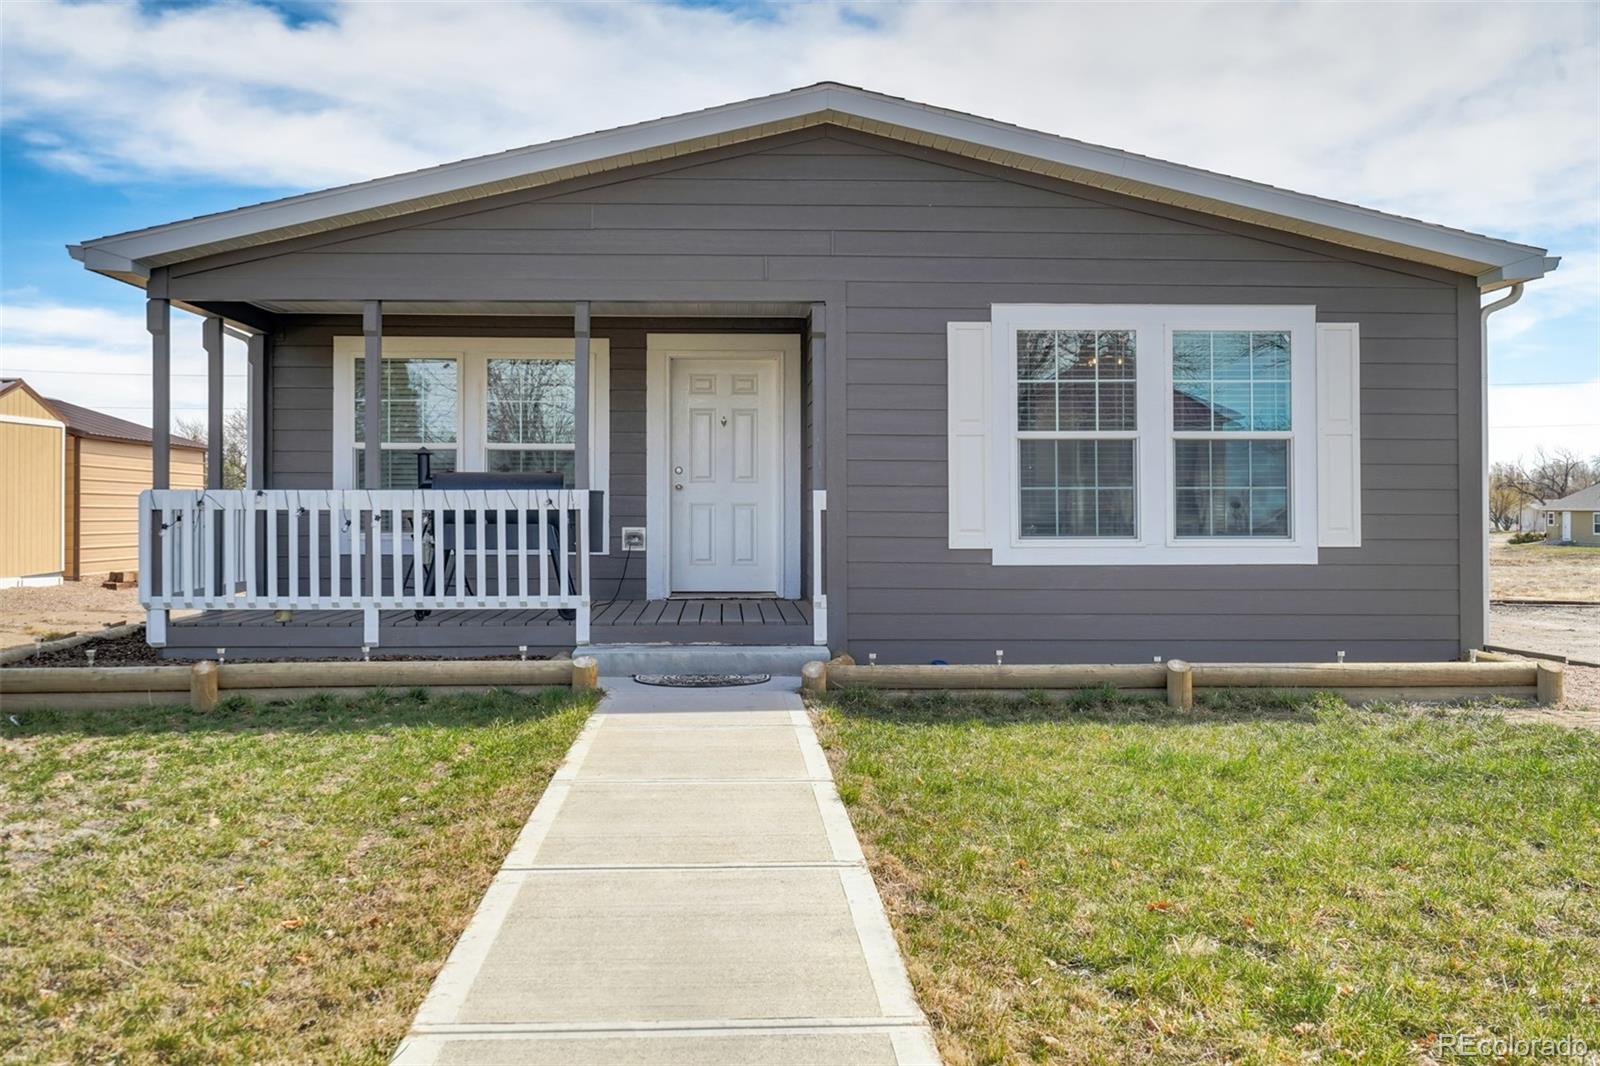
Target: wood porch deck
<point>337,634</point>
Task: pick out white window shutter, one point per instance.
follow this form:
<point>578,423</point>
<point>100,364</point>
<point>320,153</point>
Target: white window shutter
<point>1338,435</point>
<point>970,432</point>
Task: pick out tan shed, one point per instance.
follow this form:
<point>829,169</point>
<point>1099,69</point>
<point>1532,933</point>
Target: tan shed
<point>32,489</point>
<point>107,466</point>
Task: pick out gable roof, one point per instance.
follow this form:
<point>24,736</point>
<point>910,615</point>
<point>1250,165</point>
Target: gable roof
<point>7,384</point>
<point>85,422</point>
<point>1583,500</point>
<point>1495,263</point>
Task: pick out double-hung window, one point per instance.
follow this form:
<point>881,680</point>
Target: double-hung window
<point>497,404</point>
<point>421,408</point>
<point>1077,422</point>
<point>529,416</point>
<point>1152,434</point>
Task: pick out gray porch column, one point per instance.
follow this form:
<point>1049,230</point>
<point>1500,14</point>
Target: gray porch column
<point>255,412</point>
<point>819,396</point>
<point>372,456</point>
<point>211,341</point>
<point>158,319</point>
<point>580,395</point>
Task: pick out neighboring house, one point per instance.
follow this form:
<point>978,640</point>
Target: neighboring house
<point>1530,516</point>
<point>1574,519</point>
<point>71,479</point>
<point>108,464</point>
<point>32,447</point>
<point>837,368</point>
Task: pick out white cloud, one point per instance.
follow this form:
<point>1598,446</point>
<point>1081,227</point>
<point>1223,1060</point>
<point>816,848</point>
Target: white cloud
<point>1483,122</point>
<point>101,359</point>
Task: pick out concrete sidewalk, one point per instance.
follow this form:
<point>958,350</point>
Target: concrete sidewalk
<point>688,890</point>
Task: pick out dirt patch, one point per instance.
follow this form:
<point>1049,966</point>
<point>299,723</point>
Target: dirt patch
<point>132,650</point>
<point>1548,629</point>
<point>70,607</point>
<point>1542,571</point>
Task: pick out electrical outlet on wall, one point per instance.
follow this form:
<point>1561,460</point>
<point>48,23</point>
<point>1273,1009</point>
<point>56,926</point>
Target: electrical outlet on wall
<point>633,538</point>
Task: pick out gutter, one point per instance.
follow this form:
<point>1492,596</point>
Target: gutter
<point>1483,441</point>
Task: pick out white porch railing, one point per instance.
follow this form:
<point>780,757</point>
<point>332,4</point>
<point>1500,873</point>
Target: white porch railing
<point>344,549</point>
<point>819,597</point>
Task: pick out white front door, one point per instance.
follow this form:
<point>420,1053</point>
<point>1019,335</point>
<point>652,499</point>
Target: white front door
<point>725,475</point>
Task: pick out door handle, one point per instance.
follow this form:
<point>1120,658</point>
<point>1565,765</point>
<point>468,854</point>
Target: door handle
<point>678,486</point>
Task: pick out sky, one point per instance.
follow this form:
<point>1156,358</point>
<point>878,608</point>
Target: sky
<point>119,116</point>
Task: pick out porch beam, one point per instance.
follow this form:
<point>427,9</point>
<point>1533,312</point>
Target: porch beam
<point>211,340</point>
<point>372,452</point>
<point>158,320</point>
<point>580,394</point>
<point>255,411</point>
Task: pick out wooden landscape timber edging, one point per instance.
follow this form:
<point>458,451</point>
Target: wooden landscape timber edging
<point>203,684</point>
<point>18,652</point>
<point>1179,680</point>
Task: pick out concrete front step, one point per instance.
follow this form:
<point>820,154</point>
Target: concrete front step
<point>779,660</point>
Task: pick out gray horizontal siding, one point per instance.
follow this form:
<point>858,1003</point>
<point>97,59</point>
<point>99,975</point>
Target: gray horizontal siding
<point>917,240</point>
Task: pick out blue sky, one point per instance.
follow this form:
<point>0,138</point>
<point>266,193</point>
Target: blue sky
<point>115,117</point>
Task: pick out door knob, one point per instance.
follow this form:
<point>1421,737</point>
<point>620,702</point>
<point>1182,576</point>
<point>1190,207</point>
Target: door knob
<point>679,486</point>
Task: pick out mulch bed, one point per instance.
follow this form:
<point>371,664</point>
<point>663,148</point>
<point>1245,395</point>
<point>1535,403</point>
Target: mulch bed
<point>131,650</point>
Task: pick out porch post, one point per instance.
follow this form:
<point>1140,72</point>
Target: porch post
<point>158,320</point>
<point>372,455</point>
<point>580,459</point>
<point>372,467</point>
<point>819,471</point>
<point>211,341</point>
<point>255,413</point>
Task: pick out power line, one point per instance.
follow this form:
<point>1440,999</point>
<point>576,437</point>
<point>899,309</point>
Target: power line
<point>107,373</point>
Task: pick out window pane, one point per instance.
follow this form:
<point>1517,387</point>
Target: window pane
<point>1076,380</point>
<point>400,466</point>
<point>1036,355</point>
<point>1231,488</point>
<point>532,461</point>
<point>1077,488</point>
<point>1231,381</point>
<point>420,400</point>
<point>529,401</point>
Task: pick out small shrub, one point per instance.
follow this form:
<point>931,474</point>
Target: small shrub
<point>1530,536</point>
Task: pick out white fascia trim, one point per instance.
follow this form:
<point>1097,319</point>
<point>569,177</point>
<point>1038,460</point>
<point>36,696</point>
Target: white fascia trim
<point>1156,543</point>
<point>1134,174</point>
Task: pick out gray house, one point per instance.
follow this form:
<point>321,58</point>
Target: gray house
<point>831,368</point>
<point>1574,519</point>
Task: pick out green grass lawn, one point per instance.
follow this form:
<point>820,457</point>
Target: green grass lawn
<point>262,883</point>
<point>1100,881</point>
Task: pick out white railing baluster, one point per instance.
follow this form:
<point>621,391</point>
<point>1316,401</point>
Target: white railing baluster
<point>544,554</point>
<point>230,554</point>
<point>272,552</point>
<point>313,508</point>
<point>503,520</point>
<point>293,516</point>
<point>481,511</point>
<point>251,592</point>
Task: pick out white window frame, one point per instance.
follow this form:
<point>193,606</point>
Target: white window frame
<point>1156,542</point>
<point>472,355</point>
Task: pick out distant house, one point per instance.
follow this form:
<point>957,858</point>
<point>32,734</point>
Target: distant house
<point>70,479</point>
<point>1530,516</point>
<point>1574,519</point>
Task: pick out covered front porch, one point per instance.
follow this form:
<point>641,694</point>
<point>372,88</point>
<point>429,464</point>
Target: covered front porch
<point>491,558</point>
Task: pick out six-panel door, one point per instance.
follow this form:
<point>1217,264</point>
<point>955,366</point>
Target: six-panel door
<point>724,475</point>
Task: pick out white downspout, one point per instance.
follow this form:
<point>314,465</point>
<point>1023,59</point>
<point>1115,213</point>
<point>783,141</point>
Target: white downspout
<point>1483,457</point>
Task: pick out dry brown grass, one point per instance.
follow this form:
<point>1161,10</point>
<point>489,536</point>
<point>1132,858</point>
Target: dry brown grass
<point>1542,571</point>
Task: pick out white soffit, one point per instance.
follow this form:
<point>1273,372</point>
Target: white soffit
<point>1495,263</point>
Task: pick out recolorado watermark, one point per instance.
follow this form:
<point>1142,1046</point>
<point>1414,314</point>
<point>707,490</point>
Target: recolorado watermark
<point>1473,1046</point>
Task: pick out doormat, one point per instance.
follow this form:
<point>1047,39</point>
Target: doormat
<point>701,680</point>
